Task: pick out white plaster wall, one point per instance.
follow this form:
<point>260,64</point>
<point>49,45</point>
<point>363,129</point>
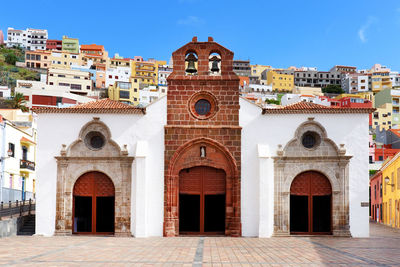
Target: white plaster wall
<point>274,129</point>
<point>57,129</point>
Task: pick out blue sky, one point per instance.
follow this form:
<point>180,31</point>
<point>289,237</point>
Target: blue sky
<point>279,33</point>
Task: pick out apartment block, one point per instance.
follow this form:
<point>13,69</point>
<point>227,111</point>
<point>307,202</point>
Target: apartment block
<point>144,72</point>
<point>242,67</point>
<point>30,39</point>
<point>356,82</point>
<point>65,59</point>
<point>126,92</point>
<point>54,45</point>
<point>94,53</point>
<point>279,81</point>
<point>70,44</point>
<point>163,72</point>
<point>78,82</point>
<point>39,59</point>
<point>380,81</point>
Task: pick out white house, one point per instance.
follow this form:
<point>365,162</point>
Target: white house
<point>30,39</point>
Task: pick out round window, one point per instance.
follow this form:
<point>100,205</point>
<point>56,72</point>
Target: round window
<point>95,140</point>
<point>310,139</point>
<point>202,107</point>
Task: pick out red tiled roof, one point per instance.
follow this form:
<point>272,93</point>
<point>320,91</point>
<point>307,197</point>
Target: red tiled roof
<point>307,107</point>
<point>100,106</point>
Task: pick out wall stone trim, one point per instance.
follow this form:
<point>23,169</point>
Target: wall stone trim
<point>326,158</point>
<point>76,160</point>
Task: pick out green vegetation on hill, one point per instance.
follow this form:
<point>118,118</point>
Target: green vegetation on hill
<point>9,73</point>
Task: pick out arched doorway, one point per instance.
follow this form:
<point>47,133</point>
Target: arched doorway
<point>310,204</point>
<point>202,201</point>
<point>93,204</point>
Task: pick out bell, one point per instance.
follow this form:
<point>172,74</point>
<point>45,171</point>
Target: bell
<point>214,66</point>
<point>191,66</point>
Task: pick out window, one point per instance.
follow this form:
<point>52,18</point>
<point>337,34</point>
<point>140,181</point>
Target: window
<point>63,84</point>
<point>380,192</point>
<point>380,158</point>
<point>24,153</point>
<point>124,94</point>
<point>61,75</point>
<point>77,77</point>
<point>110,76</point>
<point>76,86</point>
<point>88,87</point>
<point>11,147</point>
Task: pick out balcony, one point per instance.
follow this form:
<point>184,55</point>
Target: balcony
<point>26,164</point>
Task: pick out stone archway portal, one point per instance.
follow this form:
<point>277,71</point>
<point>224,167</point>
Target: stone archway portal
<point>202,201</point>
<point>310,204</point>
<point>93,204</point>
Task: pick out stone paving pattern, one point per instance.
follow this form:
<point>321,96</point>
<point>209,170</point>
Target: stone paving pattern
<point>381,249</point>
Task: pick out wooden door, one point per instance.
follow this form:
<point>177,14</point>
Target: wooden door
<point>202,201</point>
<point>311,204</point>
<point>93,204</point>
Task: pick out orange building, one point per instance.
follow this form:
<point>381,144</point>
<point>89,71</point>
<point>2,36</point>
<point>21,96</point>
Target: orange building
<point>94,52</point>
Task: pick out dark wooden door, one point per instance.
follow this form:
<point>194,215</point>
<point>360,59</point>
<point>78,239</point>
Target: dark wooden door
<point>202,201</point>
<point>311,204</point>
<point>93,204</point>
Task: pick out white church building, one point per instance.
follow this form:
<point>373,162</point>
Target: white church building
<point>202,161</point>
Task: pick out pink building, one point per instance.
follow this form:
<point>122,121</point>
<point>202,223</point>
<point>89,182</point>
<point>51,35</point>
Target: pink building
<point>375,184</point>
<point>1,37</point>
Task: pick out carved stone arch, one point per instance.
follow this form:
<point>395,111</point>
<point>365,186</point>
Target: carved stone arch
<point>111,148</point>
<point>324,157</point>
<point>188,156</point>
<point>325,146</point>
<point>329,174</point>
<point>79,158</point>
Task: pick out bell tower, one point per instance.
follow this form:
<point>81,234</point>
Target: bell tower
<point>202,139</point>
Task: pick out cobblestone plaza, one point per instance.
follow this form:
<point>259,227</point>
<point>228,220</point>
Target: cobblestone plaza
<point>381,249</point>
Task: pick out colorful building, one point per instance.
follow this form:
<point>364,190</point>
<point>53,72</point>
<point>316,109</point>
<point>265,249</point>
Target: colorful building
<point>144,72</point>
<point>39,59</point>
<point>382,117</point>
<point>380,81</point>
<point>391,192</point>
<point>375,185</point>
<point>78,82</point>
<point>65,59</point>
<point>126,92</point>
<point>54,45</point>
<point>95,53</point>
<point>280,82</point>
<point>355,102</point>
<point>70,44</point>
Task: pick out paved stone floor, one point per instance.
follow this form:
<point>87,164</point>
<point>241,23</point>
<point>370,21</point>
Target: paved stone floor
<point>381,249</point>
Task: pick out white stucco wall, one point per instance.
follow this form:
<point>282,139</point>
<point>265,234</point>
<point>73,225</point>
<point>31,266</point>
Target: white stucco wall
<point>273,129</point>
<point>57,129</point>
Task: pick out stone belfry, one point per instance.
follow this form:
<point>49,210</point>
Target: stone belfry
<point>202,143</point>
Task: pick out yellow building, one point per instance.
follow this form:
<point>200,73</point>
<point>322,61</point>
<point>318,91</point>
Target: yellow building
<point>127,92</point>
<point>280,82</point>
<point>365,95</point>
<point>144,72</point>
<point>380,81</point>
<point>382,117</point>
<point>76,81</point>
<point>65,59</point>
<point>256,70</point>
<point>391,192</point>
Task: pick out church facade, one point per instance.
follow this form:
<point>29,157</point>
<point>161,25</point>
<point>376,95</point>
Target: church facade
<point>202,161</point>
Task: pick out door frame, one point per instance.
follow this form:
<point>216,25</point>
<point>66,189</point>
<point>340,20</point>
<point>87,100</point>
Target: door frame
<point>94,206</point>
<point>202,203</point>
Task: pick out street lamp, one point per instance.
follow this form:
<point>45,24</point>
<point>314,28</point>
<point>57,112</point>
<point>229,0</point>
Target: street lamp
<point>387,180</point>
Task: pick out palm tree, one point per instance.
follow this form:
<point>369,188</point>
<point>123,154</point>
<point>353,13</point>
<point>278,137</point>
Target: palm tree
<point>18,101</point>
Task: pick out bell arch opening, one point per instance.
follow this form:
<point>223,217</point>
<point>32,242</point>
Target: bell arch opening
<point>93,204</point>
<point>311,204</point>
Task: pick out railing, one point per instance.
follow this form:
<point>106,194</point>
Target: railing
<point>18,208</point>
<point>26,164</point>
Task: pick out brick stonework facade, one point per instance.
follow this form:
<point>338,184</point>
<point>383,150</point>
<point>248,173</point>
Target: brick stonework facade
<point>219,132</point>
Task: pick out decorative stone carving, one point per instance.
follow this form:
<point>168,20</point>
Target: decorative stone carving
<point>78,159</point>
<point>325,158</point>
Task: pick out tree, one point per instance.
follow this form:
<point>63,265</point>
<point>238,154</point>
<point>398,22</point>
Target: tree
<point>11,58</point>
<point>18,101</point>
<point>333,89</point>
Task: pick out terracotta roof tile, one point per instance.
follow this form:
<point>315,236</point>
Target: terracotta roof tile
<point>307,107</point>
<point>100,106</point>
